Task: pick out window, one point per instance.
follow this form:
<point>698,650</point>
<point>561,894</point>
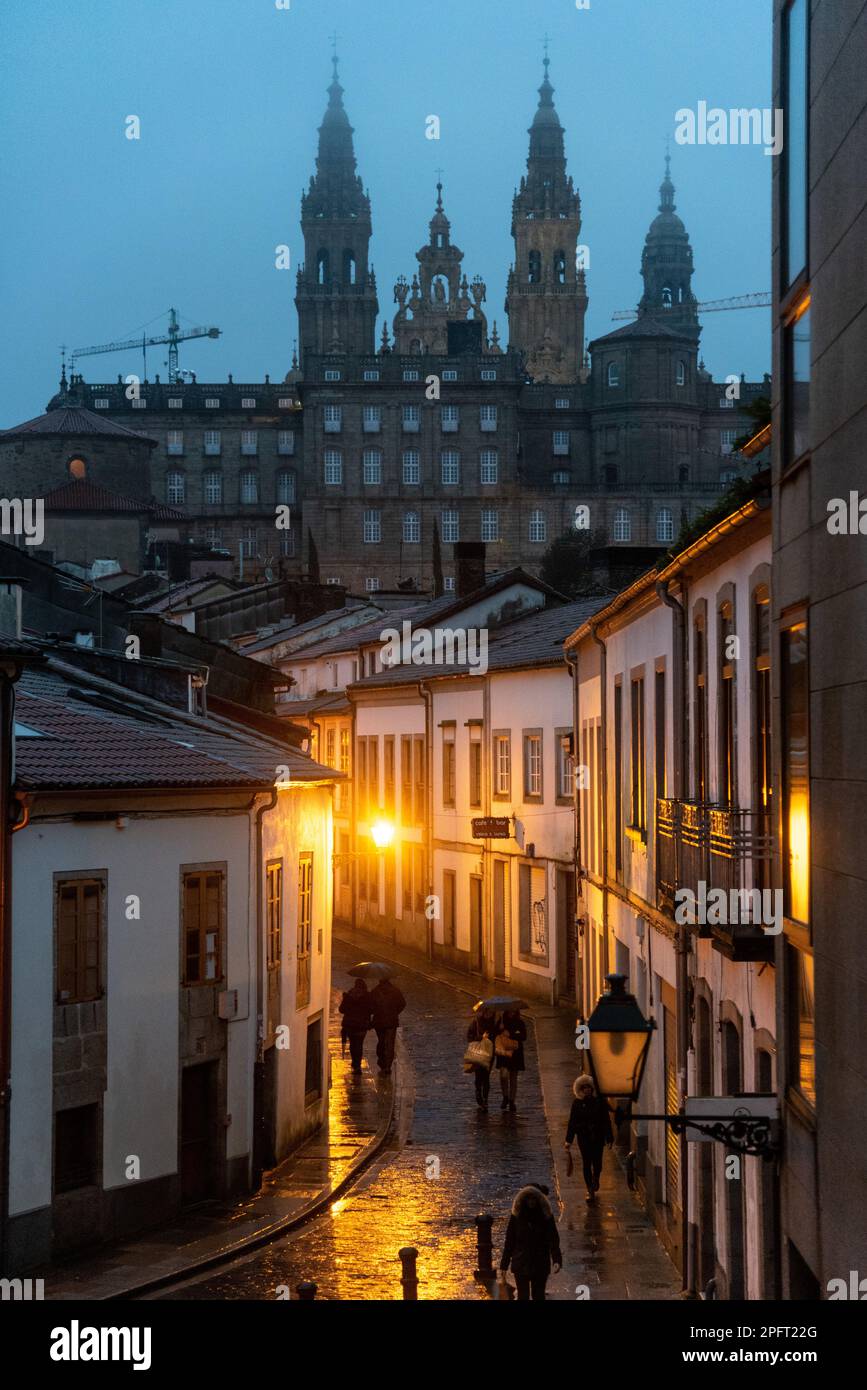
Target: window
<point>274,911</point>
<point>561,442</point>
<point>333,579</point>
<point>667,297</point>
<point>305,930</point>
<point>681,374</point>
<point>659,733</point>
<point>475,768</point>
<point>138,403</point>
<point>795,754</point>
<point>618,776</point>
<point>488,374</point>
<point>371,419</point>
<point>451,528</point>
<point>78,926</point>
<point>249,442</point>
<point>487,418</point>
<point>622,525</point>
<point>795,71</point>
<point>248,403</point>
<point>212,402</point>
<point>727,646</point>
<point>449,907</point>
<point>411,466</point>
<point>802,1016</point>
<point>371,466</point>
<point>285,403</point>
<point>411,528</point>
<point>561,403</point>
<point>76,1148</point>
<point>538,527</point>
<point>450,418</point>
<point>213,537</point>
<point>559,477</point>
<point>287,543</point>
<point>388,774</point>
<point>449,584</point>
<point>313,1062</point>
<point>700,783</point>
<point>502,764</point>
<point>331,734</point>
<point>490,524</point>
<point>212,482</point>
<point>103,403</point>
<point>176,487</point>
<point>489,466</point>
<point>332,374</point>
<point>564,764</point>
<point>249,487</point>
<point>532,912</point>
<point>613,374</point>
<point>248,546</point>
<point>727,440</point>
<point>639,768</point>
<point>533,765</point>
<point>664,524</point>
<point>419,763</point>
<point>450,464</point>
<point>762,708</point>
<point>333,467</point>
<point>370,374</point>
<point>286,487</point>
<point>410,374</point>
<point>344,750</point>
<point>796,384</point>
<point>174,403</point>
<point>448,769</point>
<point>534,267</point>
<point>372,527</point>
<point>211,442</point>
<point>333,419</point>
<point>410,416</point>
<point>203,896</point>
<point>449,374</point>
<point>174,442</point>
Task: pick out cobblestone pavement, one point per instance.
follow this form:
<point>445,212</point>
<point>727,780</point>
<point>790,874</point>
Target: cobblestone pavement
<point>351,1251</point>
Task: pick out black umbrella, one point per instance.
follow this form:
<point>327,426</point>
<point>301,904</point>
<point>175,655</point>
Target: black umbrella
<point>372,970</point>
<point>501,1002</point>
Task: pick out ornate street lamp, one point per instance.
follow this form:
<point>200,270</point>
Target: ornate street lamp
<point>382,833</point>
<point>619,1042</point>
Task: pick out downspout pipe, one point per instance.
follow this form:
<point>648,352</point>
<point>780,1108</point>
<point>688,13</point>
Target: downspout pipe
<point>259,1065</point>
<point>572,662</point>
<point>427,695</point>
<point>682,938</point>
<point>603,705</point>
<point>7,724</point>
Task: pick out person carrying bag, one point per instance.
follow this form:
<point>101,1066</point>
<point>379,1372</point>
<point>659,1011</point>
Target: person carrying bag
<point>479,1055</point>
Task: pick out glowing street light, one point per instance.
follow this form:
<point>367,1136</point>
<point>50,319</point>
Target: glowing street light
<point>382,833</point>
<point>619,1041</point>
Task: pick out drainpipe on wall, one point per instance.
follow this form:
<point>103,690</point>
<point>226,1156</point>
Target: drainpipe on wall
<point>7,716</point>
<point>688,1177</point>
<point>427,696</point>
<point>603,704</point>
<point>259,1065</point>
<point>572,664</point>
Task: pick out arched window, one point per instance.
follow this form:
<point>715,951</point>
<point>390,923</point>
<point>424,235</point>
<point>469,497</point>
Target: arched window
<point>622,525</point>
<point>613,374</point>
<point>534,268</point>
<point>411,528</point>
<point>249,486</point>
<point>664,524</point>
<point>176,487</point>
<point>560,267</point>
<point>667,297</point>
<point>77,468</point>
<point>286,486</point>
<point>681,373</point>
<point>349,268</point>
<point>322,267</point>
<point>415,347</point>
<point>213,484</point>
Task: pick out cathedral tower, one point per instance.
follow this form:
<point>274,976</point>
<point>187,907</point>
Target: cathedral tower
<point>336,289</point>
<point>667,266</point>
<point>546,299</point>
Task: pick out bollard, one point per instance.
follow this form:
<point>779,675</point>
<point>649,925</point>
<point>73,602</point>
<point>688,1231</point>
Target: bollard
<point>484,1224</point>
<point>306,1291</point>
<point>408,1278</point>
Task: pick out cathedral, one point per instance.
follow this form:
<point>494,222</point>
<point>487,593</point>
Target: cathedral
<point>391,446</point>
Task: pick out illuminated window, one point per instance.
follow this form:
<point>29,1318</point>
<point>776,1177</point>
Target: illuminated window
<point>77,468</point>
<point>795,754</point>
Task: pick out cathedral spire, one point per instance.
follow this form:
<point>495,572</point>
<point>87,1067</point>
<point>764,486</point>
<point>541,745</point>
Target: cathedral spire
<point>667,264</point>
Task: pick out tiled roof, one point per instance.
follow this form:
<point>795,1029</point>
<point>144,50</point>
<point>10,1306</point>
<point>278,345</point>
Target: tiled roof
<point>288,629</point>
<point>645,326</point>
<point>531,641</point>
<point>79,495</point>
<point>93,734</point>
<point>318,704</point>
<point>180,594</point>
<point>68,420</point>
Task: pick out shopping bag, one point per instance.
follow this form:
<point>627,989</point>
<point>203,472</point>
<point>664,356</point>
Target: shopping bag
<point>480,1053</point>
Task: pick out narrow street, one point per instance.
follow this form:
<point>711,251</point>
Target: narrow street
<point>350,1252</point>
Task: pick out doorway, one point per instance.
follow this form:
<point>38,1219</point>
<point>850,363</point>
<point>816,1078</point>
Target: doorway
<point>566,938</point>
<point>476,953</point>
<point>500,882</point>
<point>198,1132</point>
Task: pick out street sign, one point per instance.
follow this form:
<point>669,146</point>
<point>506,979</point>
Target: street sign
<point>706,1109</point>
<point>492,828</point>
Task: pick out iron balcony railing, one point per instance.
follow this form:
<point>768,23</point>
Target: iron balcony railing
<point>704,847</point>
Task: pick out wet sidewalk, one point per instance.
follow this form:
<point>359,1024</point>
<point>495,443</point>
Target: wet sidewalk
<point>360,1111</point>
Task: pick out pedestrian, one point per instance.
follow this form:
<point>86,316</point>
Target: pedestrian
<point>590,1124</point>
<point>386,1005</point>
<point>484,1025</point>
<point>532,1243</point>
<point>509,1049</point>
<point>355,1007</point>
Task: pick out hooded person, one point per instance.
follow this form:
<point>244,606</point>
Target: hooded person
<point>532,1243</point>
<point>590,1125</point>
<point>355,1008</point>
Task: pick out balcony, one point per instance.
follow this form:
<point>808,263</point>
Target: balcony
<point>704,848</point>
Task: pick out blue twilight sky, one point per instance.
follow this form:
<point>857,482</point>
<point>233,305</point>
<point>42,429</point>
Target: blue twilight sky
<point>101,234</point>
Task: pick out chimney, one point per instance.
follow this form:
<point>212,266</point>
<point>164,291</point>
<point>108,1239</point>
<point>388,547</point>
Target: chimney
<point>10,605</point>
<point>469,567</point>
<point>148,628</point>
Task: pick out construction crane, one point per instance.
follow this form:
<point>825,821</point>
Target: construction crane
<point>174,336</point>
<point>715,306</point>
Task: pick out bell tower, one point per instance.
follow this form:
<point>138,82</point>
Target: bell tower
<point>336,288</point>
<point>667,266</point>
<point>546,298</point>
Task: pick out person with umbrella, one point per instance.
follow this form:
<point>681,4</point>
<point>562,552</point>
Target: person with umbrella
<point>386,1005</point>
<point>509,1051</point>
<point>483,1027</point>
<point>355,1007</point>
